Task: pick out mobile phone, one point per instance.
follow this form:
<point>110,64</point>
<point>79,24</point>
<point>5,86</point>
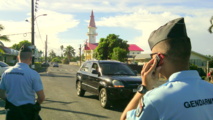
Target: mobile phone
<point>159,58</point>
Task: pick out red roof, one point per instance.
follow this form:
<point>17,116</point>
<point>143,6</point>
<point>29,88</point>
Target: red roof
<point>92,46</point>
<point>133,47</point>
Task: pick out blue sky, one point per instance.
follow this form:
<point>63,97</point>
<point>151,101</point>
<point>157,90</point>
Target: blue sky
<point>133,20</point>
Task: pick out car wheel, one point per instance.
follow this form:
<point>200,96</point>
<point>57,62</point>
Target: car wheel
<point>103,97</point>
<point>80,91</point>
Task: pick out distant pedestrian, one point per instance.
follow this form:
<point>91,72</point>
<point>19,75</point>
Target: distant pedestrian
<point>209,75</point>
<point>18,87</point>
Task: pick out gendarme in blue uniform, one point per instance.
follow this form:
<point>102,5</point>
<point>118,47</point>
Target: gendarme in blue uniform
<point>184,97</point>
<point>20,83</point>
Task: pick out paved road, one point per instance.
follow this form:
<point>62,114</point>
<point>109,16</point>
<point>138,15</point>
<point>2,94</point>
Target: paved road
<point>62,103</point>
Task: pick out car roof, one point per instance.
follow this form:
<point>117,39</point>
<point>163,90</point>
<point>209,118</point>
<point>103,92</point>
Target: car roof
<point>3,64</point>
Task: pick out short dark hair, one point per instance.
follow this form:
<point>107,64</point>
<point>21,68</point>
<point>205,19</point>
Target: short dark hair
<point>179,49</point>
<point>25,55</point>
<point>25,52</point>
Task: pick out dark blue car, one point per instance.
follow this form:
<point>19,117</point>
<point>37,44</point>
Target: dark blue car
<point>110,80</point>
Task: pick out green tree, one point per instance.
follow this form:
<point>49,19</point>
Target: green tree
<point>193,67</point>
<point>118,54</point>
<point>211,27</point>
<point>199,70</point>
<point>211,64</point>
<point>104,50</point>
<point>69,52</point>
<point>52,55</point>
<point>56,59</point>
<point>20,44</point>
<point>1,51</point>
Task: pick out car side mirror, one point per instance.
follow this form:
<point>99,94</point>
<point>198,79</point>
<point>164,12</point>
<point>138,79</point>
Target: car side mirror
<point>95,72</point>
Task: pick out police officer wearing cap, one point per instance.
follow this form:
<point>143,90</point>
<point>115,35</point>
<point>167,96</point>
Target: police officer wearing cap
<point>18,87</point>
<point>184,96</point>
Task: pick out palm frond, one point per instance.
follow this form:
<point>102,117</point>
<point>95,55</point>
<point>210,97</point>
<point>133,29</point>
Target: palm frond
<point>2,51</point>
<point>210,29</point>
<point>1,27</point>
<point>211,20</point>
<point>4,38</point>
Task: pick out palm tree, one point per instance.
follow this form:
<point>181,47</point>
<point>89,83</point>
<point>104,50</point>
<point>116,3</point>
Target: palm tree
<point>211,27</point>
<point>52,54</point>
<point>69,52</point>
<point>62,48</point>
<point>3,37</point>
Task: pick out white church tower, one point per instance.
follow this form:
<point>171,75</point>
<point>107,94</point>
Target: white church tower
<point>92,29</point>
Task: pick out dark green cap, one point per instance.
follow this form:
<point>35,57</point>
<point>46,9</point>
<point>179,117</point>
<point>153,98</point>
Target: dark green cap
<point>25,48</point>
<point>173,29</point>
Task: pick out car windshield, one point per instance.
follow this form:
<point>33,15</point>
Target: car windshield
<point>115,69</point>
<point>2,64</point>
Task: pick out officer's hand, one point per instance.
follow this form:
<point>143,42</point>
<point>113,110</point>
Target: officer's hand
<point>150,74</point>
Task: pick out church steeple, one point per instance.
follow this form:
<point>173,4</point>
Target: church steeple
<point>92,20</point>
<point>92,29</point>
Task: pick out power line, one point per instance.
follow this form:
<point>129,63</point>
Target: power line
<point>24,34</point>
<point>39,32</point>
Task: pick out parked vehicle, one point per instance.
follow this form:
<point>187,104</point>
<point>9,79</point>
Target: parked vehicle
<point>45,64</point>
<point>110,80</point>
<point>3,66</point>
<point>55,65</point>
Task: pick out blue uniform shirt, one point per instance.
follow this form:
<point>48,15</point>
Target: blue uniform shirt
<point>184,97</point>
<point>20,83</point>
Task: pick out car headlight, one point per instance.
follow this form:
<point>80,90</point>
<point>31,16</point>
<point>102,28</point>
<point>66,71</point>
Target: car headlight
<point>117,83</point>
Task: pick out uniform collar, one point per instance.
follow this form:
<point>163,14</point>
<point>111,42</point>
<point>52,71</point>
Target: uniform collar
<point>22,64</point>
<point>184,75</point>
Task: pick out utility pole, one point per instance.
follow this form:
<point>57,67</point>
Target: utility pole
<point>80,54</point>
<point>46,50</point>
<point>32,34</point>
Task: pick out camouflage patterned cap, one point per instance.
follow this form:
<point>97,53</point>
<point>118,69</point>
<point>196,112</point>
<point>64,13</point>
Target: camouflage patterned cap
<point>173,29</point>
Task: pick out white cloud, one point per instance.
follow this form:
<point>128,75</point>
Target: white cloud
<point>141,15</point>
<point>10,5</point>
<point>51,25</point>
<point>140,20</point>
<point>146,21</point>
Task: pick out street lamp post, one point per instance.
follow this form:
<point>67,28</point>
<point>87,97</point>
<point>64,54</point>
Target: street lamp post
<point>32,32</point>
<point>33,18</point>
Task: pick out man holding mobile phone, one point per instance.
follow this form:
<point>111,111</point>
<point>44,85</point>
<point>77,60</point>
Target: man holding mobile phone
<point>185,96</point>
